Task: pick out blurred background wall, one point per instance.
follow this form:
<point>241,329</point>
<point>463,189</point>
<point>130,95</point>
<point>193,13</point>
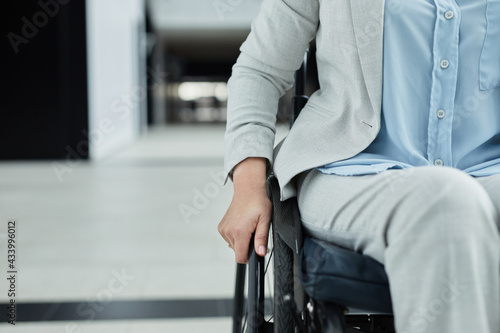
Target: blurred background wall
<point>43,86</point>
<point>87,77</point>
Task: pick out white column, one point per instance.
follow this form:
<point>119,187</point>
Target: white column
<point>116,74</point>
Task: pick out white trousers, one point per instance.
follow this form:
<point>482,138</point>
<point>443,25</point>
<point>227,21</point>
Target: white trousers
<point>436,230</point>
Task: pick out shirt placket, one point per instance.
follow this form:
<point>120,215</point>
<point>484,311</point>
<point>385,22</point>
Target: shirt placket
<point>444,82</point>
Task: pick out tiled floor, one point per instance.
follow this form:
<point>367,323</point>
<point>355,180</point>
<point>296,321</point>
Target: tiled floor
<point>136,326</point>
<point>148,213</point>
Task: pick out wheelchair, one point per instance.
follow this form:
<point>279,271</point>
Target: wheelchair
<point>318,287</point>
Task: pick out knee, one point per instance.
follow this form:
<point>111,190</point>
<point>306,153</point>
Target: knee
<point>447,200</point>
<point>452,190</point>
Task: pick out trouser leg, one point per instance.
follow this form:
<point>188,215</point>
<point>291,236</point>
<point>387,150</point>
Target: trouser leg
<point>434,229</point>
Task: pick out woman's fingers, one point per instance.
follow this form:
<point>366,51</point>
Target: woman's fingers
<point>241,247</point>
<point>245,216</point>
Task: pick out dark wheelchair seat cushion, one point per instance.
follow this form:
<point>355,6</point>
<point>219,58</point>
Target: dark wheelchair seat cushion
<point>330,273</point>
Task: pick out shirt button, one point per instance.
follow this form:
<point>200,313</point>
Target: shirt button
<point>444,63</point>
<point>439,162</point>
<point>441,114</point>
<point>449,15</point>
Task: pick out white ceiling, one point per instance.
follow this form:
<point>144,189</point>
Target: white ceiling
<point>180,18</point>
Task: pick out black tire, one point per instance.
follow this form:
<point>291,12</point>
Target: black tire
<point>283,285</point>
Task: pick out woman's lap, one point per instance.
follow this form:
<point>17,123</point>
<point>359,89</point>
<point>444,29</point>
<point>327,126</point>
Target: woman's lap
<point>357,211</point>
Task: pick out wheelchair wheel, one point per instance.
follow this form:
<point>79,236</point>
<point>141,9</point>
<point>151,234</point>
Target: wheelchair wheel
<point>276,317</point>
<point>283,285</point>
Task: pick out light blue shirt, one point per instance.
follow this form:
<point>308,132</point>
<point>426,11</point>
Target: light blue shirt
<point>441,89</point>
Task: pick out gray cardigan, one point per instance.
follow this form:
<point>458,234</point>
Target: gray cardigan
<point>341,119</point>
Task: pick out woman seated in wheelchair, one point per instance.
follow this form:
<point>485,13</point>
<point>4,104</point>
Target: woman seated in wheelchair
<point>396,155</point>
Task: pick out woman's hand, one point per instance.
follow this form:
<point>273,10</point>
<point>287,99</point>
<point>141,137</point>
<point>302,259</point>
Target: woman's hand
<point>250,210</point>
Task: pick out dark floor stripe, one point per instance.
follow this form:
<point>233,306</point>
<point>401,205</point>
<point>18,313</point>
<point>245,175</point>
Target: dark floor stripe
<point>194,162</point>
<point>120,310</point>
